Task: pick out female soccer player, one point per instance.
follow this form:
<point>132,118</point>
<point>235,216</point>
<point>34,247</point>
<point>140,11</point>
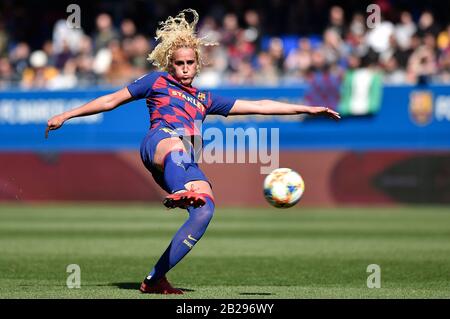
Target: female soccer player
<point>167,150</point>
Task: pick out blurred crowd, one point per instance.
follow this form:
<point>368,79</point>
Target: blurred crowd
<point>403,49</point>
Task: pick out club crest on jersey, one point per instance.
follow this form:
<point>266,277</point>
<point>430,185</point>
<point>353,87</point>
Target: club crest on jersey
<point>201,96</point>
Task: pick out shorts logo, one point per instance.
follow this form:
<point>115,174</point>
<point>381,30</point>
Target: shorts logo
<point>168,130</point>
<point>187,243</point>
<point>421,107</point>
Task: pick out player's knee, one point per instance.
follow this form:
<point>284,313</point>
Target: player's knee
<point>204,214</point>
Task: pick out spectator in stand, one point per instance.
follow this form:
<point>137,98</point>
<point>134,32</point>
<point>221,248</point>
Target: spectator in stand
<point>230,30</point>
<point>337,21</point>
<point>427,24</point>
<point>214,69</point>
<point>137,56</point>
<point>390,52</point>
<point>267,73</point>
<point>355,39</point>
<point>393,74</point>
<point>84,63</point>
<point>444,65</point>
<point>443,40</point>
<point>7,78</point>
<point>429,41</point>
<point>66,39</point>
<point>210,30</point>
<point>422,65</point>
<point>38,75</point>
<point>241,50</point>
<point>127,30</point>
<point>105,32</point>
<point>333,47</point>
<point>323,85</point>
<point>120,70</point>
<point>253,29</point>
<point>245,74</point>
<point>19,58</point>
<point>4,38</point>
<point>443,43</point>
<point>298,60</point>
<point>378,38</point>
<point>405,30</point>
<point>276,53</point>
<point>66,78</point>
<point>127,37</point>
<point>63,56</point>
<point>402,54</point>
<point>48,49</point>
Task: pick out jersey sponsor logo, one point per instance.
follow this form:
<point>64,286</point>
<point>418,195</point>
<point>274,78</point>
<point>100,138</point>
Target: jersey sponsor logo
<point>187,98</point>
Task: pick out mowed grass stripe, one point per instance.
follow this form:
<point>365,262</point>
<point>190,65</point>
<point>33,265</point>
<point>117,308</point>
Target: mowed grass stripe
<point>264,253</point>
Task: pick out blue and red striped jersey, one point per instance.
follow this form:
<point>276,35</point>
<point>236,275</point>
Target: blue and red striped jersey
<point>176,106</point>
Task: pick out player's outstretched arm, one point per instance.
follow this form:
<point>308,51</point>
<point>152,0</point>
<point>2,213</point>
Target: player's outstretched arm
<point>270,107</point>
<point>101,104</point>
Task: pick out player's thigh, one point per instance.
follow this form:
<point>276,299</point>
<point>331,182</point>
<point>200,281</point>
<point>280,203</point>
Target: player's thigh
<point>200,187</point>
<point>164,147</point>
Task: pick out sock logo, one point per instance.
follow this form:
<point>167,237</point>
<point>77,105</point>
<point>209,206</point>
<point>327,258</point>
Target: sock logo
<point>191,238</point>
<point>187,243</point>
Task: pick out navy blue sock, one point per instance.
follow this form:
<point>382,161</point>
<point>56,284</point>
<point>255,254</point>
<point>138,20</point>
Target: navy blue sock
<point>184,240</point>
<point>175,165</point>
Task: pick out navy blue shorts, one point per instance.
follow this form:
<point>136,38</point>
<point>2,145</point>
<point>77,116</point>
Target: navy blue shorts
<point>148,150</point>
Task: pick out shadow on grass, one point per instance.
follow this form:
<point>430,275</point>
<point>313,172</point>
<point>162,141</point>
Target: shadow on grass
<point>136,285</point>
<point>127,285</point>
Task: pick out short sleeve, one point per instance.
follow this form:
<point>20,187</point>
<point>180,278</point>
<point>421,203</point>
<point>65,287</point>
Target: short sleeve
<point>220,105</point>
<point>142,87</point>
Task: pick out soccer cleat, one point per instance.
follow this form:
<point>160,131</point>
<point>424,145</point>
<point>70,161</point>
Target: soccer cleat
<point>162,286</point>
<point>184,199</point>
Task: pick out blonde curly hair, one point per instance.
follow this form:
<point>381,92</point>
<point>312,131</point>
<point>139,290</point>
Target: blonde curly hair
<point>177,33</point>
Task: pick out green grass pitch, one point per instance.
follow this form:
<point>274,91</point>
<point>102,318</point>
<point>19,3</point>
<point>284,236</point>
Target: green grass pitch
<point>301,252</point>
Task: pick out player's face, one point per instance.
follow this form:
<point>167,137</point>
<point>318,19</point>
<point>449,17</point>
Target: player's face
<point>184,65</point>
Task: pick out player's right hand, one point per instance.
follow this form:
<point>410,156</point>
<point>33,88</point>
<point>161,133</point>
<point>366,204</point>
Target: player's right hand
<point>54,123</point>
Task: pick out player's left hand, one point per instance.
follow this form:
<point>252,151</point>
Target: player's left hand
<point>322,110</point>
<point>54,123</point>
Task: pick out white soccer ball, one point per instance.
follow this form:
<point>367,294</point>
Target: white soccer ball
<point>283,187</point>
